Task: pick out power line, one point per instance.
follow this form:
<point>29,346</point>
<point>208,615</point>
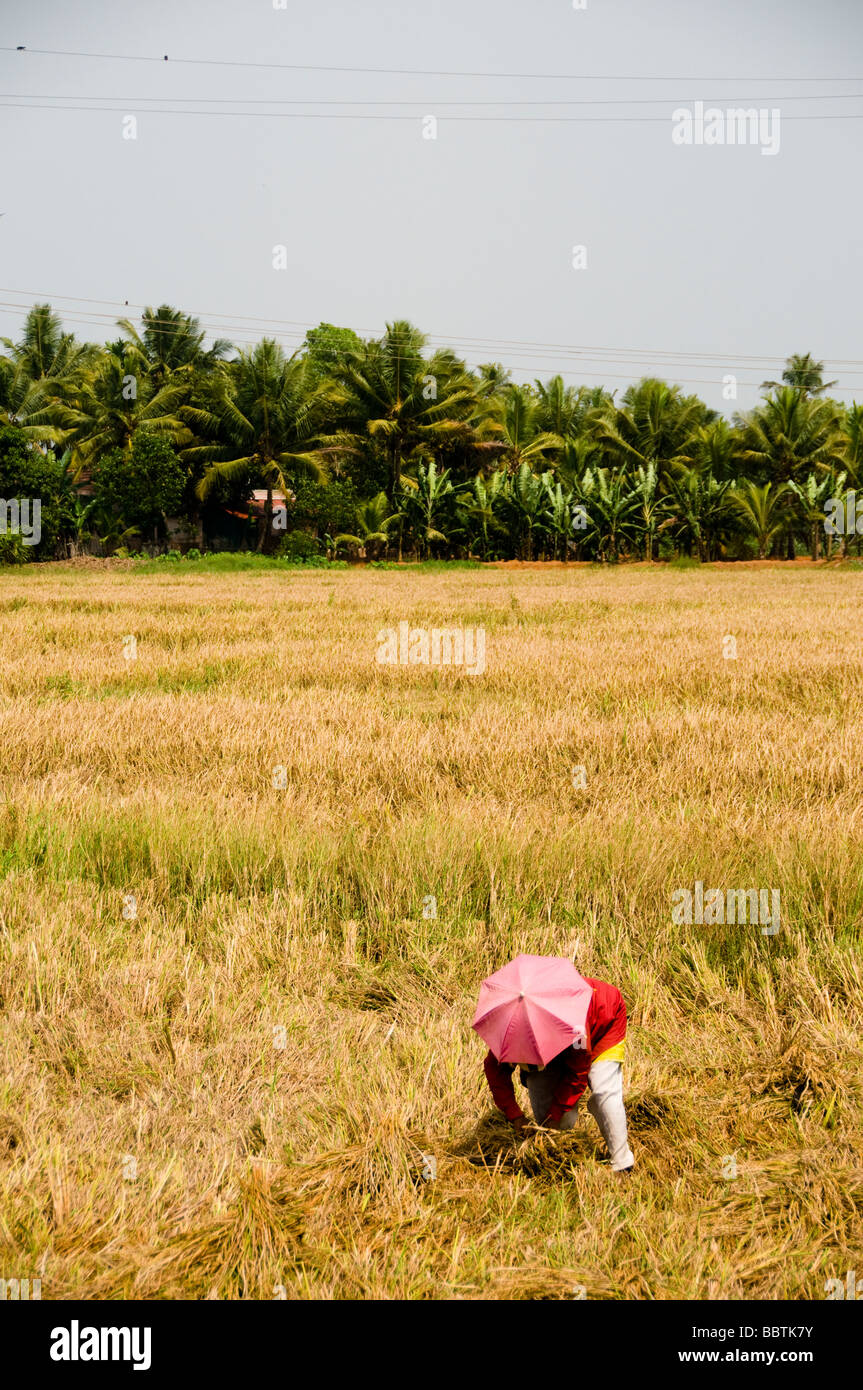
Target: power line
<point>621,357</point>
<point>298,328</point>
<point>350,116</point>
<point>598,371</point>
<point>408,72</point>
<point>315,101</point>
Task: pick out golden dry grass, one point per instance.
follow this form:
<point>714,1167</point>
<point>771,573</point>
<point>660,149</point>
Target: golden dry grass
<point>263,1170</point>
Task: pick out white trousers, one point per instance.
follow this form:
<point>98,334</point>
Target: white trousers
<point>605,1080</point>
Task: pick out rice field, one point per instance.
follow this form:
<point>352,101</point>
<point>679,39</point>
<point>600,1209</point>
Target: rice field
<point>252,878</point>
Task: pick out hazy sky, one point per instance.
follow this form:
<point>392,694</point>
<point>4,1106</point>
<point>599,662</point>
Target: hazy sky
<point>721,252</point>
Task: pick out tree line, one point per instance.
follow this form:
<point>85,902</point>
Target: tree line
<point>386,448</point>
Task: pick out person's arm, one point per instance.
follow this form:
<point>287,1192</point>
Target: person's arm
<point>499,1078</point>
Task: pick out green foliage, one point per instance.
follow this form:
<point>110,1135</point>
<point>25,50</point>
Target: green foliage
<point>425,566</point>
<point>375,522</point>
<point>789,435</point>
<point>328,348</point>
<point>326,507</point>
<point>28,473</point>
<point>517,425</point>
<point>523,503</point>
<point>142,484</point>
<point>256,423</point>
<point>172,342</point>
<point>102,407</point>
<point>390,447</point>
<point>762,510</point>
<point>428,505</point>
<point>613,506</point>
<point>13,551</point>
<point>701,510</point>
<point>298,545</point>
<point>37,371</point>
<point>479,510</point>
<point>231,562</point>
<point>393,402</point>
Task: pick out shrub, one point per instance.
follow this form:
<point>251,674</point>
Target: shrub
<point>141,483</point>
<point>13,551</point>
<point>298,545</point>
<point>326,506</point>
<point>27,473</point>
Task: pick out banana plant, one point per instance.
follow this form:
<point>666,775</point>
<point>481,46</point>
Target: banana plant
<point>650,508</point>
<point>812,497</point>
<point>612,504</point>
<point>701,508</point>
<point>559,513</point>
<point>427,503</point>
<point>79,511</point>
<point>479,507</point>
<point>523,507</point>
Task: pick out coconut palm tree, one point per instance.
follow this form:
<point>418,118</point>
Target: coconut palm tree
<point>577,457</point>
<point>493,380</point>
<point>853,430</point>
<point>172,341</point>
<point>104,406</point>
<point>558,408</point>
<point>713,448</point>
<point>762,511</point>
<point>570,412</point>
<point>388,395</point>
<point>33,371</point>
<point>257,421</point>
<point>27,404</point>
<point>44,350</point>
<point>801,373</point>
<point>652,425</point>
<point>515,429</point>
<point>789,436</point>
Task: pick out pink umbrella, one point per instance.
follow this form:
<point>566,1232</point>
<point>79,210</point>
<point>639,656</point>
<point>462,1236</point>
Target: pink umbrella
<point>532,1009</point>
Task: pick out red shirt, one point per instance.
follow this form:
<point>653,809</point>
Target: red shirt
<point>606,1026</point>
